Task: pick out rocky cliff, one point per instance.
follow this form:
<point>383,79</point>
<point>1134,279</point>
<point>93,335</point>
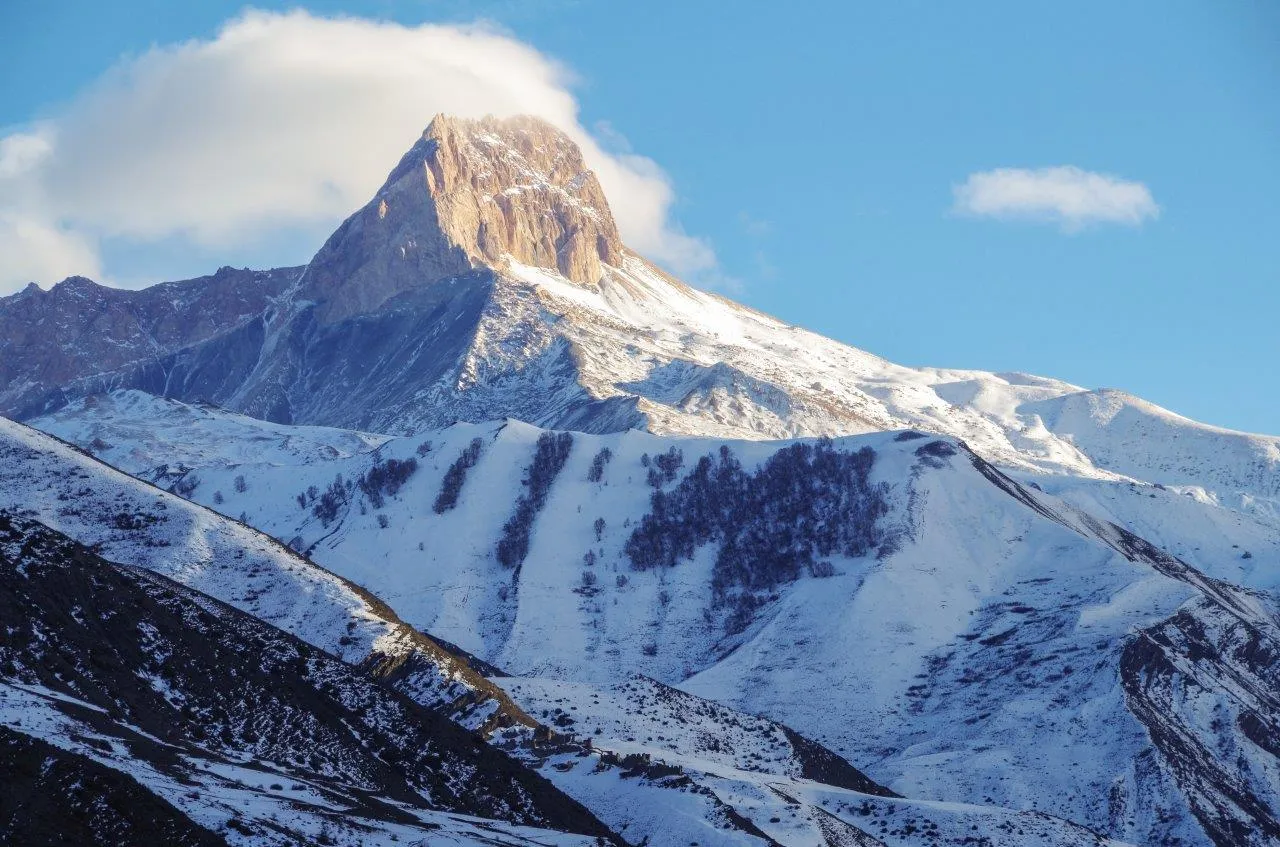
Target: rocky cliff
<point>468,194</point>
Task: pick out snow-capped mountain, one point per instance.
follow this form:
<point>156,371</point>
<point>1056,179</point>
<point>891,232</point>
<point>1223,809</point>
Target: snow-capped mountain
<point>486,280</point>
<point>770,784</point>
<point>1041,614</point>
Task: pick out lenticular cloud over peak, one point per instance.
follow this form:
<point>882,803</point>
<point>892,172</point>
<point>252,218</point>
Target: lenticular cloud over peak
<point>283,122</point>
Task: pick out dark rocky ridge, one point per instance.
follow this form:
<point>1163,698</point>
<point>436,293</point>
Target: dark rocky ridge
<point>53,797</point>
<point>174,676</point>
<point>82,337</point>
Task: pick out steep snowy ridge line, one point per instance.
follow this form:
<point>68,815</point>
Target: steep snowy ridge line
<point>395,650</point>
<point>1233,805</point>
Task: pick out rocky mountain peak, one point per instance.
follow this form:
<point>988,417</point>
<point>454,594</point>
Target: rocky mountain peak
<point>470,193</point>
<point>519,188</point>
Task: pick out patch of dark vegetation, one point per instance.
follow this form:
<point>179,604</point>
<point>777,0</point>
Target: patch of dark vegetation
<point>185,485</point>
<point>134,521</point>
<point>328,504</point>
<point>998,639</point>
<point>451,486</point>
<point>596,473</point>
<point>639,765</point>
<point>385,478</point>
<point>665,466</point>
<point>549,456</point>
<point>909,435</point>
<point>938,449</point>
<point>807,502</point>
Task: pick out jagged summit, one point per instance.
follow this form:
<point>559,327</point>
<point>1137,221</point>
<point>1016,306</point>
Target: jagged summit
<point>519,187</point>
<point>469,194</point>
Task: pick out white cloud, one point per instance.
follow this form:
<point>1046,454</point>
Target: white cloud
<point>1065,195</point>
<point>284,121</point>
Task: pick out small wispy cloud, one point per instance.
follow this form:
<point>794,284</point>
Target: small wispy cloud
<point>1065,195</point>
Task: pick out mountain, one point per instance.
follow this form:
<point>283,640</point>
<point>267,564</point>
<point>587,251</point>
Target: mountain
<point>770,784</point>
<point>726,778</point>
<point>72,339</point>
<point>486,279</point>
<point>1000,608</point>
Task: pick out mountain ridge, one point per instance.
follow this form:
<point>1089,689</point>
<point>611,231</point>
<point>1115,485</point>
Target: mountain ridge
<point>460,291</point>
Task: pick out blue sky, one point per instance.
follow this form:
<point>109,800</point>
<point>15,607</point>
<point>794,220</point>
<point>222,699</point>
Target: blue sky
<point>816,148</point>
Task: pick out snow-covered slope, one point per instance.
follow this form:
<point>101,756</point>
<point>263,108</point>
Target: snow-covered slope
<point>133,430</point>
<point>134,523</point>
<point>655,741</point>
<point>972,649</point>
<point>736,802</point>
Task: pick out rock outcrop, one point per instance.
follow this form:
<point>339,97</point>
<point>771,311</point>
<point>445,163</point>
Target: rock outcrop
<point>468,194</point>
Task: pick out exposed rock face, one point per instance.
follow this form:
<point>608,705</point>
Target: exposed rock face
<point>468,194</point>
<point>520,188</point>
<point>50,339</point>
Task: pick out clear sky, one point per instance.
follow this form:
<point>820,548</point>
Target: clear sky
<point>1089,191</point>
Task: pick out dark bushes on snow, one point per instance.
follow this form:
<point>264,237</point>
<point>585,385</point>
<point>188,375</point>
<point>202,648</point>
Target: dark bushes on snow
<point>186,485</point>
<point>385,478</point>
<point>806,502</point>
<point>334,498</point>
<point>665,466</point>
<point>549,457</point>
<point>451,486</point>
<point>597,465</point>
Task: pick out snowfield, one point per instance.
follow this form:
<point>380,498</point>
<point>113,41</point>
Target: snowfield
<point>976,658</point>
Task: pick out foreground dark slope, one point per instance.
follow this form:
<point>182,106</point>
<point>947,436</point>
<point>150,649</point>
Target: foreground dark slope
<point>52,796</point>
<point>135,523</point>
<point>172,686</point>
